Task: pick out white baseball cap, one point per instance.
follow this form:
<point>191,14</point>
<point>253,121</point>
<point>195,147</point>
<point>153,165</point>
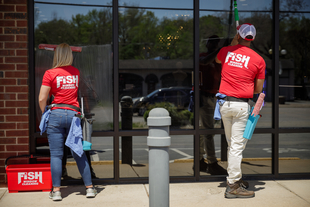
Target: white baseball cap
<point>245,30</point>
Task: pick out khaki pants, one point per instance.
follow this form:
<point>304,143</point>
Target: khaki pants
<point>234,117</point>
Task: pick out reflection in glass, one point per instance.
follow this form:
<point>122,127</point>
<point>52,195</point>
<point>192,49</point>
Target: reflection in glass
<point>91,31</point>
<point>181,155</point>
<point>84,2</point>
<point>186,4</point>
<point>217,23</point>
<point>101,157</point>
<point>256,156</point>
<point>156,63</point>
<point>294,153</point>
<point>294,79</point>
<point>264,5</point>
<point>300,5</point>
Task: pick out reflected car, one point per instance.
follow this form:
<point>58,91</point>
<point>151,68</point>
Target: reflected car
<point>178,96</point>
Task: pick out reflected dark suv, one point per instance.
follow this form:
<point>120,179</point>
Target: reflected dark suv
<point>179,96</point>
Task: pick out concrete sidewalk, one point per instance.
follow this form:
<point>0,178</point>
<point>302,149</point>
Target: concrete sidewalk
<point>276,193</point>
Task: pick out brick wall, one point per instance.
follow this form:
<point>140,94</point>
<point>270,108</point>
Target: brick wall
<point>14,118</point>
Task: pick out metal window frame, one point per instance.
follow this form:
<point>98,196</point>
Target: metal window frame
<point>116,133</point>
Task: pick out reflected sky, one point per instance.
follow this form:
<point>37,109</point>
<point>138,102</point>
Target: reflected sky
<point>48,12</point>
<point>86,2</point>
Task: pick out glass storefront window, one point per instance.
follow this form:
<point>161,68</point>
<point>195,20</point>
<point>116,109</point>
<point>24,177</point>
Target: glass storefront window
<point>156,62</point>
<point>294,73</point>
<point>256,156</point>
<point>294,153</point>
<point>83,2</point>
<point>181,157</point>
<point>216,27</point>
<point>186,4</point>
<point>265,5</point>
<point>101,157</point>
<point>90,30</point>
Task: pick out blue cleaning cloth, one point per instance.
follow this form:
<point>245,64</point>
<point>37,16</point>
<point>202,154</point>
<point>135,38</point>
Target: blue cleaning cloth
<point>250,125</point>
<point>44,120</point>
<point>75,137</point>
<point>217,113</point>
<point>87,145</point>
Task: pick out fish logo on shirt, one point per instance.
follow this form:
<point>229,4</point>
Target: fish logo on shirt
<point>237,60</point>
<point>67,82</point>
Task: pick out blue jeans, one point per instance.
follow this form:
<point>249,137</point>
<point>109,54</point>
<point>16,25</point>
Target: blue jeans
<point>57,130</point>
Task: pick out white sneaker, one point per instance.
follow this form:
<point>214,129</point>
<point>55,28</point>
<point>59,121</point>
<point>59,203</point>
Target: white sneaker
<point>56,196</point>
<point>91,192</point>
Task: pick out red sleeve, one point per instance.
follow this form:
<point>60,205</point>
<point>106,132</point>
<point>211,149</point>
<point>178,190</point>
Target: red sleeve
<point>261,70</point>
<point>47,81</point>
<point>220,54</point>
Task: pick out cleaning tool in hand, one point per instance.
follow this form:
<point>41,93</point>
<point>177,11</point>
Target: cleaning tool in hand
<point>236,13</point>
<point>253,118</point>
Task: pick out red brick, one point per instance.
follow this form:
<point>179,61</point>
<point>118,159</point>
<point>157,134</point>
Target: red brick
<point>7,82</point>
<point>1,89</point>
<point>7,8</point>
<point>22,81</point>
<point>7,66</point>
<point>7,38</point>
<point>1,133</point>
<point>22,111</point>
<point>10,74</point>
<point>2,150</point>
<point>21,8</point>
<point>22,96</point>
<point>8,141</point>
<point>7,53</point>
<point>21,52</point>
<point>2,170</point>
<point>15,15</point>
<point>22,125</point>
<point>21,38</point>
<point>22,23</point>
<point>7,126</point>
<point>16,59</point>
<point>16,103</point>
<point>15,1</point>
<point>17,118</point>
<point>22,140</point>
<point>1,118</point>
<point>7,111</point>
<point>7,96</point>
<point>22,66</point>
<point>7,23</point>
<point>1,59</point>
<point>12,89</point>
<point>15,45</point>
<point>1,103</point>
<point>1,15</point>
<point>17,148</point>
<point>1,29</point>
<point>17,133</point>
<point>7,154</point>
<point>14,30</point>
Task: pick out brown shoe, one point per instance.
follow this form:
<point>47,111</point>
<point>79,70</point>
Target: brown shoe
<point>243,183</point>
<point>237,190</point>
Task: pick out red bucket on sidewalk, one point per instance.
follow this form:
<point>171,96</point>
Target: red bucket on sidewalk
<point>29,177</point>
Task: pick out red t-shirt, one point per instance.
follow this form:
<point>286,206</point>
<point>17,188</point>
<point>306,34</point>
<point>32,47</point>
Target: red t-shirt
<point>240,67</point>
<point>64,83</point>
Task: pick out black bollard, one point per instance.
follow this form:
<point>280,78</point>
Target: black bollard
<point>126,118</point>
